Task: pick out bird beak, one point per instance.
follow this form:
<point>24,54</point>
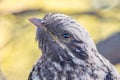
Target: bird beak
<point>37,22</point>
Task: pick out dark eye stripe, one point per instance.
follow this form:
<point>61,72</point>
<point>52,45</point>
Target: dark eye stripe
<point>78,52</point>
<point>76,41</point>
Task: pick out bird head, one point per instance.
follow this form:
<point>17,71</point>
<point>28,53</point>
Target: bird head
<point>67,46</point>
<point>67,33</point>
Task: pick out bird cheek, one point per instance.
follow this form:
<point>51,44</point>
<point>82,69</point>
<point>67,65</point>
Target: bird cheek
<point>78,52</point>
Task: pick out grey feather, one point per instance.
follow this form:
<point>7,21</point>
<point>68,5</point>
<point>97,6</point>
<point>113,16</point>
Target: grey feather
<point>68,52</point>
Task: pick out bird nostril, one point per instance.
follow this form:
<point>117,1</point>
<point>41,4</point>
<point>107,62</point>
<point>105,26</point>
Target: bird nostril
<point>43,22</point>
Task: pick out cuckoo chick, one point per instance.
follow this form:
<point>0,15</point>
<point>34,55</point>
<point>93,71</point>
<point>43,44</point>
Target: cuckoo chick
<point>68,52</point>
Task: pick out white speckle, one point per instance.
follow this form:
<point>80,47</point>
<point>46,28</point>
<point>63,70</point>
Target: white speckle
<point>77,50</point>
<point>57,66</point>
<point>68,68</point>
<point>51,69</point>
<point>56,76</point>
<point>85,76</point>
<point>36,78</point>
<point>61,58</point>
<point>71,54</point>
<point>76,60</point>
<point>44,78</point>
<point>75,77</point>
<point>34,74</point>
<point>63,78</point>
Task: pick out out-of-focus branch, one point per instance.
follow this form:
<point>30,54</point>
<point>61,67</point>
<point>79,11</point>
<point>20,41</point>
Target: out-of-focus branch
<point>77,13</point>
<point>110,48</point>
<point>28,12</point>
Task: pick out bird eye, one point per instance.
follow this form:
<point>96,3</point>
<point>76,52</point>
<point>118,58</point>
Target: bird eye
<point>66,35</point>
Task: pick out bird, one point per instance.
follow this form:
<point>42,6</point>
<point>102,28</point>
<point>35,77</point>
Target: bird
<point>68,52</point>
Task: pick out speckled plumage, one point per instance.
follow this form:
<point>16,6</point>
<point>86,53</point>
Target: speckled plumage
<point>68,53</point>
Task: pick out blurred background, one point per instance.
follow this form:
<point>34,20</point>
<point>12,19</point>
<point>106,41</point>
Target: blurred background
<point>18,48</point>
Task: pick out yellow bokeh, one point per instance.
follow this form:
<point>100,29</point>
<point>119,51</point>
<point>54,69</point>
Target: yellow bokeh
<point>18,48</point>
